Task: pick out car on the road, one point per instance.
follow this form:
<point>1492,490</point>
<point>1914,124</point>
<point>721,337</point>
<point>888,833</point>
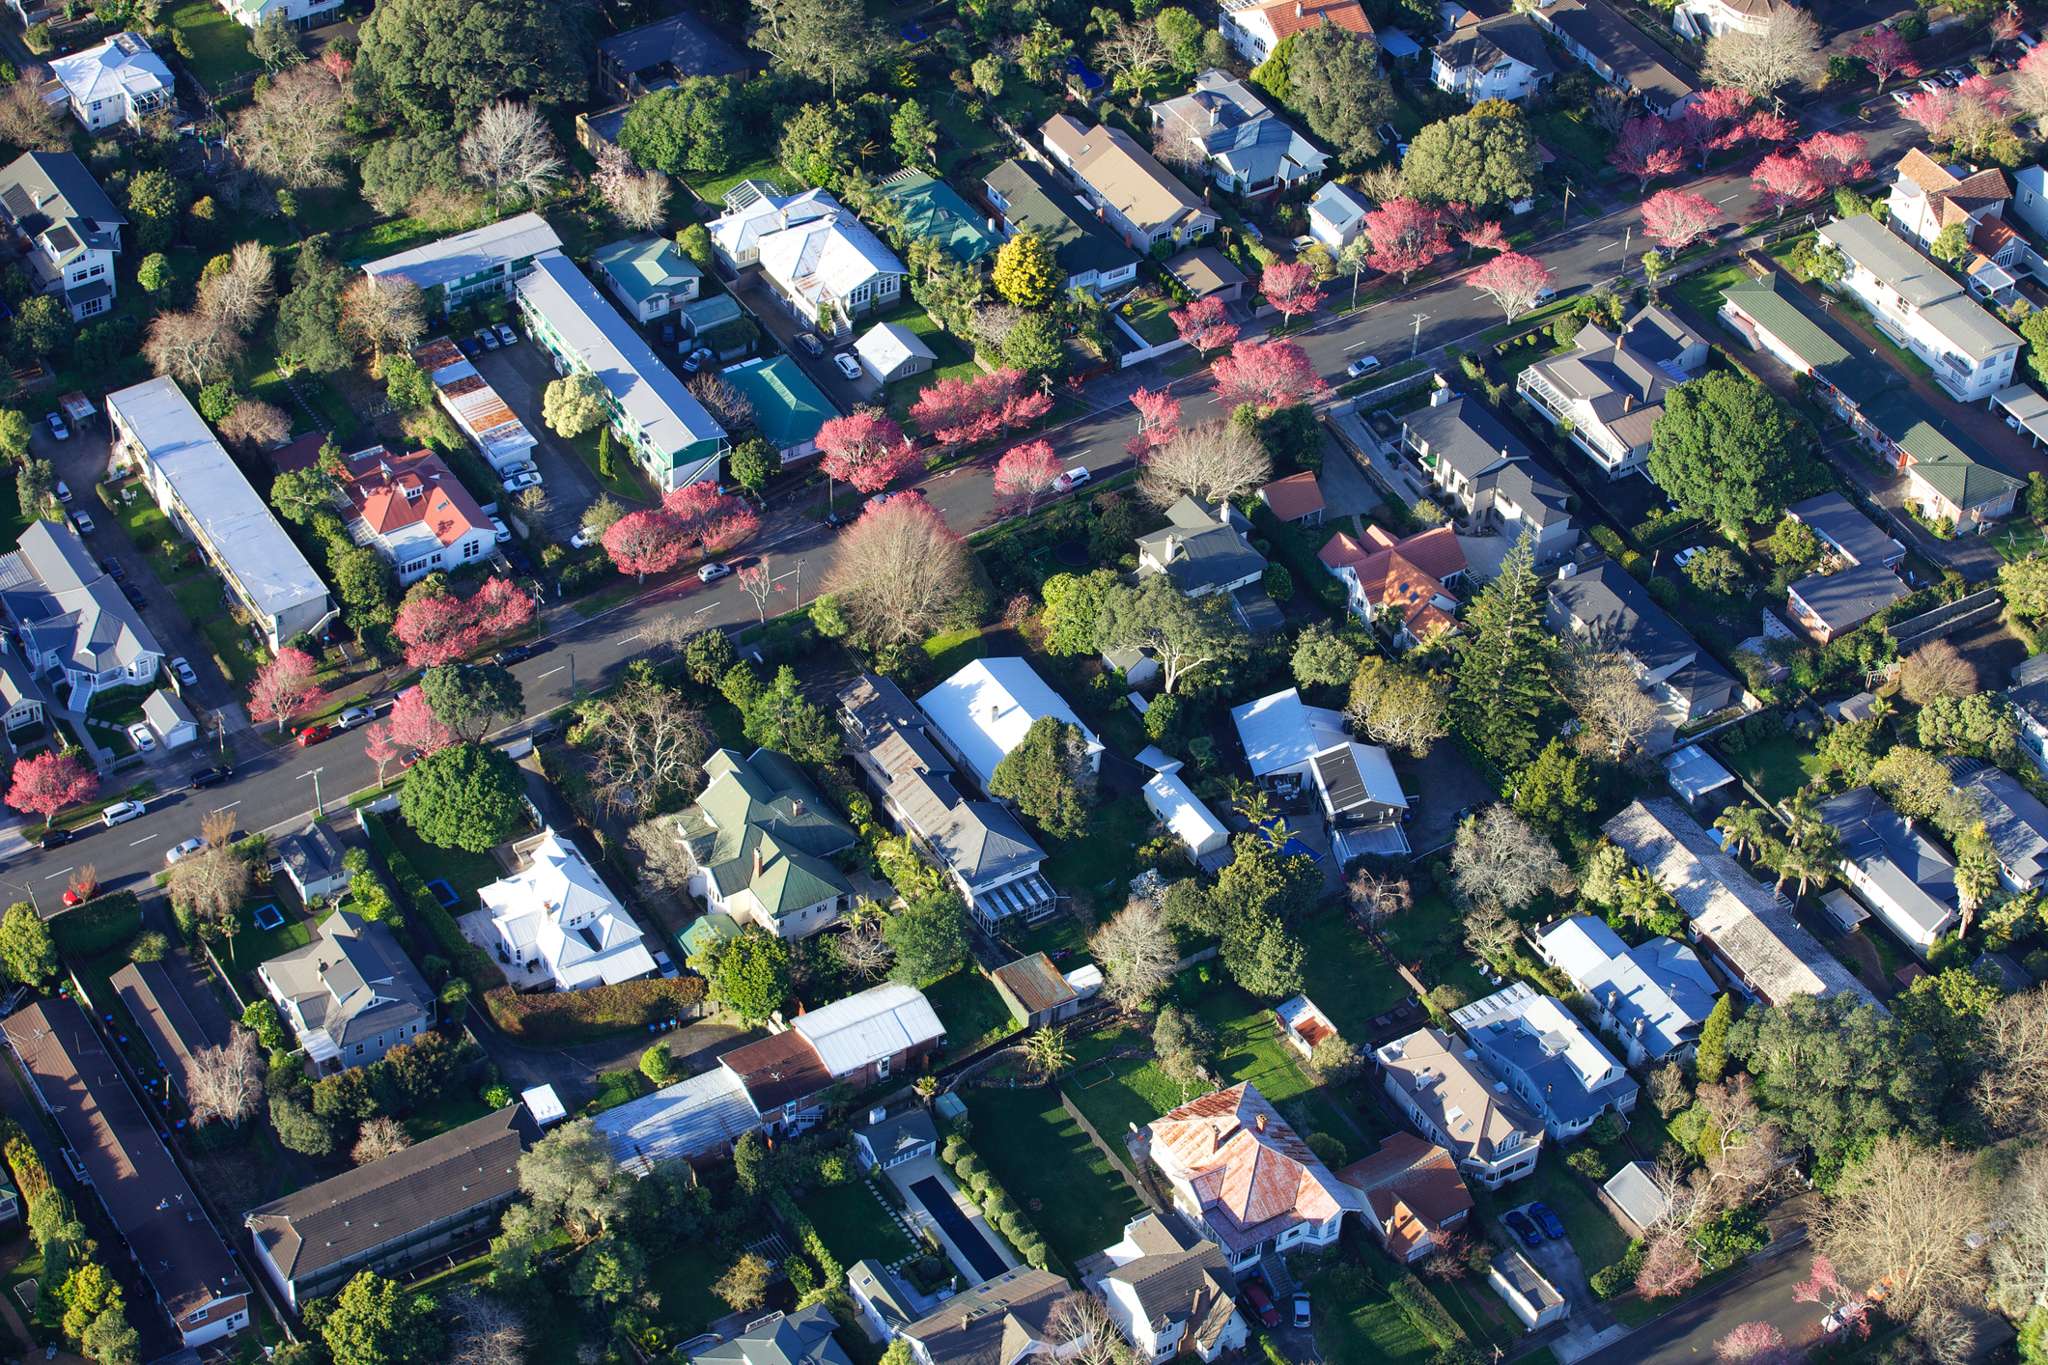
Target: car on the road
<point>1519,1224</point>
<point>1956,75</point>
<point>313,734</point>
<point>141,738</point>
<point>836,518</point>
<point>1362,366</point>
<point>121,812</point>
<point>813,347</point>
<point>519,483</point>
<point>56,838</point>
<point>71,897</point>
<point>1902,98</point>
<point>1261,1300</point>
<point>116,570</point>
<point>82,519</point>
<point>847,365</point>
<point>209,777</point>
<point>506,336</point>
<point>487,338</point>
<point>1547,1219</point>
<point>500,530</point>
<point>57,427</point>
<point>183,668</point>
<point>63,491</point>
<point>517,654</point>
<point>712,572</point>
<point>180,851</point>
<point>1072,479</point>
<point>354,716</point>
<point>1301,1308</point>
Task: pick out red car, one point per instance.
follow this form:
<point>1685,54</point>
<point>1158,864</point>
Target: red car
<point>313,734</point>
<point>1262,1302</point>
<point>73,898</point>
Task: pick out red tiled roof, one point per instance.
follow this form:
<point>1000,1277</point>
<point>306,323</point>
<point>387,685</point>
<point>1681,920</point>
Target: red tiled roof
<point>1289,17</point>
<point>391,492</point>
<point>1992,236</point>
<point>1251,1172</point>
<point>1407,573</point>
<point>1294,497</point>
<point>1413,1188</point>
<point>302,453</point>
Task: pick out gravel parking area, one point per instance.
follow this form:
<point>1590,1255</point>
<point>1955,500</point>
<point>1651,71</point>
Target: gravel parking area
<point>519,374</point>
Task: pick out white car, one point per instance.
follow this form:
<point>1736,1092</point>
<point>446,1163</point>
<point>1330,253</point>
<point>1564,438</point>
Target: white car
<point>519,483</point>
<point>848,366</point>
<point>57,427</point>
<point>63,491</point>
<point>183,668</point>
<point>711,573</point>
<point>1686,556</point>
<point>184,850</point>
<point>121,812</point>
<point>354,716</point>
<point>1362,366</point>
<point>582,540</point>
<point>141,738</point>
<point>487,338</point>
<point>82,519</point>
<point>506,336</point>
<point>1072,479</point>
<point>504,532</point>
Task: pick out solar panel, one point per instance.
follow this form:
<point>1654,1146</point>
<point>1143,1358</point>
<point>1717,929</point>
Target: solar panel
<point>63,241</point>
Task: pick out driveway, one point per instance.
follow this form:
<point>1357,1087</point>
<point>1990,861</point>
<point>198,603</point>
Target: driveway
<point>1589,1325</point>
<point>519,374</point>
<point>760,299</point>
<point>573,1070</point>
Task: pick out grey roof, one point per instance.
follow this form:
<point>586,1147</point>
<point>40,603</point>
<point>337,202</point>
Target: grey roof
<point>1905,868</point>
<point>1035,203</point>
<point>993,1323</point>
<point>492,246</point>
<point>1483,45</point>
<point>1617,613</point>
<point>351,980</point>
<point>1238,129</point>
<point>1179,1278</point>
<point>64,603</point>
<point>1467,436</point>
<point>164,1018</point>
<point>1921,283</point>
<point>803,1337</point>
<point>689,1119</point>
<point>2029,688</point>
<point>166,711</point>
<point>1658,335</point>
<point>1658,992</point>
<point>313,853</point>
<point>911,1128</point>
<point>682,43</point>
<point>42,191</point>
<point>1601,30</point>
<point>1341,204</point>
<point>873,1282</point>
<point>2014,819</point>
<point>1855,537</point>
<point>1635,1193</point>
<point>1521,1033</point>
<point>1848,598</point>
<point>1201,547</point>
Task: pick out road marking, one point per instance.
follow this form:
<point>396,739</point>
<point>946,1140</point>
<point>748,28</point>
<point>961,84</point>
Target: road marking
<point>147,838</point>
<point>1732,194</point>
<point>229,806</point>
<point>65,873</point>
<point>551,673</point>
<point>623,640</point>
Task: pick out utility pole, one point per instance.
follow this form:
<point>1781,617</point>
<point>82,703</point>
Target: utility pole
<point>319,806</point>
<point>1566,215</point>
<point>1626,233</point>
<point>799,582</point>
<point>1415,342</point>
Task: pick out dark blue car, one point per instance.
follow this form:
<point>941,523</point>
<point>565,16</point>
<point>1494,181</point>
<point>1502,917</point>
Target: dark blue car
<point>1553,1228</point>
<point>1520,1225</point>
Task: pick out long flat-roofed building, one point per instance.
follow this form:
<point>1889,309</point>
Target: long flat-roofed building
<point>486,260</point>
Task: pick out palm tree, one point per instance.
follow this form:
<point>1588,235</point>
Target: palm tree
<point>1048,1051</point>
<point>1811,854</point>
<point>1743,828</point>
<point>1251,801</point>
<point>1977,879</point>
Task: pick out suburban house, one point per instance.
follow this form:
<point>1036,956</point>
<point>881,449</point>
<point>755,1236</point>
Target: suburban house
<point>1253,28</point>
<point>1241,1174</point>
<point>933,211</point>
<point>67,231</point>
<point>1919,305</point>
<point>1704,19</point>
<point>208,498</point>
<point>1413,1194</point>
<point>801,1336</point>
<point>1827,605</point>
<point>1610,610</point>
<point>983,711</point>
<point>1007,1318</point>
<point>2027,691</point>
<point>719,325</point>
<point>649,276</point>
<point>661,423</point>
<point>121,80</point>
<point>165,1019</point>
<point>311,860</point>
<point>350,995</point>
<point>394,1213</point>
<point>889,351</point>
<point>485,418</point>
<point>1748,930</point>
<point>885,1141</point>
<point>1027,198</point>
<point>1293,748</point>
<point>661,55</point>
<point>1502,58</point>
<point>1171,1293</point>
<point>1136,195</point>
<point>1521,1286</point>
<point>555,923</point>
<point>823,263</point>
<point>1845,533</point>
<point>1336,215</point>
<point>789,410</point>
<point>1495,482</point>
<point>1601,37</point>
<point>298,13</point>
<point>1652,998</point>
<point>1298,498</point>
<point>1036,992</point>
<point>1928,198</point>
<point>762,840</point>
<point>2015,821</point>
<point>1548,1057</point>
<point>1907,882</point>
<point>1202,550</point>
<point>486,260</point>
<point>693,1120</point>
<point>21,701</point>
<point>159,1220</point>
<point>414,512</point>
<point>1608,393</point>
<point>71,623</point>
<point>1247,148</point>
<point>982,845</point>
<point>1206,272</point>
<point>1455,1101</point>
<point>1402,585</point>
<point>1169,797</point>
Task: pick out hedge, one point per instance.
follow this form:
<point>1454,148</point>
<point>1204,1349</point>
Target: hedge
<point>594,1011</point>
<point>807,1236</point>
<point>1030,1244</point>
<point>31,1177</point>
<point>99,926</point>
<point>473,962</point>
<point>1426,1312</point>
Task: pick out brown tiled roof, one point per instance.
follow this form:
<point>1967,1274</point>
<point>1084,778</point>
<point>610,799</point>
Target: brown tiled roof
<point>462,1169</point>
<point>1253,1174</point>
<point>778,1069</point>
<point>1294,497</point>
<point>1411,1184</point>
<point>144,1192</point>
<point>163,1017</point>
<point>1923,170</point>
<point>1035,982</point>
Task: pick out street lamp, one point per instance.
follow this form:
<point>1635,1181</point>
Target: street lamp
<point>319,806</point>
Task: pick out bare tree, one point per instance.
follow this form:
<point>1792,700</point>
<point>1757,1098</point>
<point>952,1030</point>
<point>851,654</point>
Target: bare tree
<point>226,1082</point>
<point>387,316</point>
<point>899,571</point>
<point>1174,147</point>
<point>217,828</point>
<point>486,1330</point>
<point>256,425</point>
<point>1747,1158</point>
<point>1133,54</point>
<point>1136,954</point>
<point>733,409</point>
<point>1499,859</point>
<point>2012,1078</point>
<point>860,946</point>
<point>511,151</point>
<point>665,859</point>
<point>1786,51</point>
<point>2019,1251</point>
<point>1490,932</point>
<point>1086,1334</point>
<point>378,1138</point>
<point>191,347</point>
<point>211,883</point>
<point>293,134</point>
<point>650,745</point>
<point>237,296</point>
<point>1887,1223</point>
<point>1934,671</point>
<point>1602,687</point>
<point>637,198</point>
<point>27,122</point>
<point>1376,897</point>
<point>1215,461</point>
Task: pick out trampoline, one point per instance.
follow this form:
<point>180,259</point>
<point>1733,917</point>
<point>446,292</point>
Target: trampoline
<point>961,1233</point>
<point>267,917</point>
<point>443,893</point>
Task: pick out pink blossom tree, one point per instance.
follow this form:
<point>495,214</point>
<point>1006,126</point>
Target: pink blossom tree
<point>759,584</point>
<point>414,726</point>
<point>380,748</point>
<point>1487,236</point>
<point>1406,235</point>
<point>1512,280</point>
<point>1158,421</point>
<point>1823,1288</point>
<point>707,517</point>
<point>287,686</point>
<point>969,411</point>
<point>46,783</point>
<point>1785,178</point>
<point>1204,325</point>
<point>2030,82</point>
<point>1765,127</point>
<point>645,542</point>
<point>1836,158</point>
<point>866,449</point>
<point>443,628</point>
<point>1266,374</point>
<point>1885,53</point>
<point>1646,150</point>
<point>1706,124</point>
<point>1669,1267</point>
<point>1753,1343</point>
<point>1678,218</point>
<point>1025,473</point>
<point>1290,286</point>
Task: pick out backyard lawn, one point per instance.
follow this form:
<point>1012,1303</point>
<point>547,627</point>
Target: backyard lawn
<point>1351,1326</point>
<point>1053,1172</point>
<point>1431,941</point>
<point>1149,318</point>
<point>973,1014</point>
<point>1776,767</point>
<point>854,1224</point>
<point>462,870</point>
<point>712,189</point>
<point>219,46</point>
<point>1345,975</point>
<point>1099,862</point>
<point>450,1110</point>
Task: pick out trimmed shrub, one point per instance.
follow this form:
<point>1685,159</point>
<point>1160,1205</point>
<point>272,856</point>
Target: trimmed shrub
<point>99,926</point>
<point>594,1011</point>
<point>1426,1312</point>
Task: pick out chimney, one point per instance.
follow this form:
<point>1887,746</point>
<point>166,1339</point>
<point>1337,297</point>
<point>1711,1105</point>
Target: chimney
<point>1439,395</point>
<point>1628,402</point>
<point>757,864</point>
<point>1259,1122</point>
<point>1298,11</point>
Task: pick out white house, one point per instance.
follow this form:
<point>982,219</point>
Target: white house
<point>486,260</point>
<point>1170,798</point>
<point>1503,58</point>
<point>1704,19</point>
<point>1455,1101</point>
<point>823,262</point>
<point>1253,28</point>
<point>1548,1058</point>
<point>72,229</point>
<point>890,351</point>
<point>120,81</point>
<point>351,994</point>
<point>1247,147</point>
<point>1922,307</point>
<point>1893,868</point>
<point>70,621</point>
<point>1608,392</point>
<point>1292,747</point>
<point>983,711</point>
<point>555,922</point>
<point>297,13</point>
<point>1336,215</point>
<point>1169,1292</point>
<point>169,719</point>
<point>414,512</point>
<point>1654,997</point>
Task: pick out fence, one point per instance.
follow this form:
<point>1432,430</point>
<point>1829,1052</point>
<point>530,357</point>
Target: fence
<point>1945,620</point>
<point>1116,1160</point>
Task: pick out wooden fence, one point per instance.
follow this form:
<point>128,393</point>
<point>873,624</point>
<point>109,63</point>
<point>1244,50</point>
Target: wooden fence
<point>1117,1161</point>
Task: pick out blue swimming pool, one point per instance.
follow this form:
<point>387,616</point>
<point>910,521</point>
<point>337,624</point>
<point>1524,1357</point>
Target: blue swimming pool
<point>961,1233</point>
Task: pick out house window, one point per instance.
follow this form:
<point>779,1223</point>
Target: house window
<point>198,1315</point>
<point>882,1069</point>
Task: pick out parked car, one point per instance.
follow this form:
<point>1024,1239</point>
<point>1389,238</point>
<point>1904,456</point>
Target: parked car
<point>313,734</point>
<point>82,519</point>
<point>506,336</point>
<point>180,851</point>
<point>1261,1300</point>
<point>582,540</point>
<point>183,668</point>
<point>519,483</point>
<point>1519,1224</point>
<point>501,530</point>
<point>1687,555</point>
<point>56,838</point>
<point>1902,98</point>
<point>517,654</point>
<point>57,427</point>
<point>813,347</point>
<point>139,735</point>
<point>133,594</point>
<point>1547,1219</point>
<point>209,777</point>
<point>115,569</point>
<point>1301,1308</point>
<point>354,716</point>
<point>848,366</point>
<point>63,491</point>
<point>470,346</point>
<point>121,812</point>
<point>1072,479</point>
<point>712,572</point>
<point>664,968</point>
<point>487,338</point>
<point>1362,366</point>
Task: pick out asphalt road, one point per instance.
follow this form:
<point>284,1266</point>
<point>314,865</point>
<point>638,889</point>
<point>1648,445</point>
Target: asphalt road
<point>1686,1335</point>
<point>275,789</point>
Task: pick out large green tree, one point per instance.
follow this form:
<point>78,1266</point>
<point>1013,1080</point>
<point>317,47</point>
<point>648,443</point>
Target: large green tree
<point>929,938</point>
<point>1503,689</point>
<point>1073,602</point>
<point>1333,80</point>
<point>308,329</point>
<point>753,974</point>
<point>1050,776</point>
<point>1482,158</point>
<point>830,41</point>
<point>436,63</point>
<point>695,125</point>
<point>375,1321</point>
<point>1186,635</point>
<point>26,949</point>
<point>1724,449</point>
<point>464,796</point>
<point>472,698</point>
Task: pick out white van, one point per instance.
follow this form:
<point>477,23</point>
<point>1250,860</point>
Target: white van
<point>121,812</point>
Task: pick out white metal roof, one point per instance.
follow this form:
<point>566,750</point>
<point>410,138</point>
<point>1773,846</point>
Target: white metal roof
<point>216,497</point>
<point>1183,813</point>
<point>985,708</point>
<point>887,345</point>
<point>852,1033</point>
<point>544,1104</point>
<point>689,1119</point>
<point>468,253</point>
<point>123,64</point>
<point>1280,732</point>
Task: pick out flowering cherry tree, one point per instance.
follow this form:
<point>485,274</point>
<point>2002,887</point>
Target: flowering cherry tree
<point>710,519</point>
<point>414,725</point>
<point>1764,126</point>
<point>1669,1267</point>
<point>1646,149</point>
<point>379,747</point>
<point>1754,1343</point>
<point>2030,82</point>
<point>1823,1288</point>
<point>1406,235</point>
<point>287,686</point>
<point>644,542</point>
<point>1513,281</point>
<point>1204,325</point>
<point>1678,218</point>
<point>866,449</point>
<point>1836,158</point>
<point>1488,236</point>
<point>1025,473</point>
<point>969,411</point>
<point>759,584</point>
<point>1291,288</point>
<point>47,782</point>
<point>444,628</point>
<point>1885,52</point>
<point>1267,374</point>
<point>1969,118</point>
<point>1158,421</point>
<point>1785,178</point>
<point>1709,122</point>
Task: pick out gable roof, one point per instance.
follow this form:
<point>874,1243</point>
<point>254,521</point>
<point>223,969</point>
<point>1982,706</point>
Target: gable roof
<point>1340,205</point>
<point>1036,984</point>
<point>351,980</point>
<point>800,1337</point>
<point>760,824</point>
<point>865,1027</point>
<point>1599,29</point>
<point>1412,1187</point>
<point>391,494</point>
<point>788,408</point>
<point>1829,349</point>
<point>164,1018</point>
<point>1294,497</point>
<point>67,605</point>
<point>1112,164</point>
<point>813,246</point>
<point>645,266</point>
<point>985,709</point>
<point>1036,203</point>
<point>1483,44</point>
<point>1848,597</point>
<point>934,211</point>
<point>1658,992</point>
<point>682,42</point>
<point>42,189</point>
<point>1920,282</point>
<point>1614,610</point>
<point>994,1323</point>
<point>557,907</point>
<point>1200,548</point>
<point>1253,1176</point>
<point>1852,535</point>
<point>1177,1279</point>
<point>2014,819</point>
<point>1280,731</point>
<point>888,344</point>
<point>1900,862</point>
<point>1459,1094</point>
<point>1237,129</point>
<point>1289,17</point>
<point>684,1121</point>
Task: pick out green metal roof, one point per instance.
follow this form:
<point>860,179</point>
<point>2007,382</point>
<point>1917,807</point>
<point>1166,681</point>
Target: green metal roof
<point>1830,349</point>
<point>646,266</point>
<point>932,210</point>
<point>788,408</point>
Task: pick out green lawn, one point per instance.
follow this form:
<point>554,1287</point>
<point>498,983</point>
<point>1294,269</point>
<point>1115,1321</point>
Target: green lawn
<point>973,1014</point>
<point>1149,318</point>
<point>1569,133</point>
<point>1344,975</point>
<point>1368,1327</point>
<point>614,1088</point>
<point>450,1110</point>
<point>854,1224</point>
<point>219,46</point>
<point>951,358</point>
<point>712,189</point>
<point>198,593</point>
<point>683,1279</point>
<point>1701,290</point>
<point>1099,861</point>
<point>1431,941</point>
<point>1778,766</point>
<point>461,869</point>
<point>1053,1172</point>
<point>626,481</point>
<point>1595,1236</point>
